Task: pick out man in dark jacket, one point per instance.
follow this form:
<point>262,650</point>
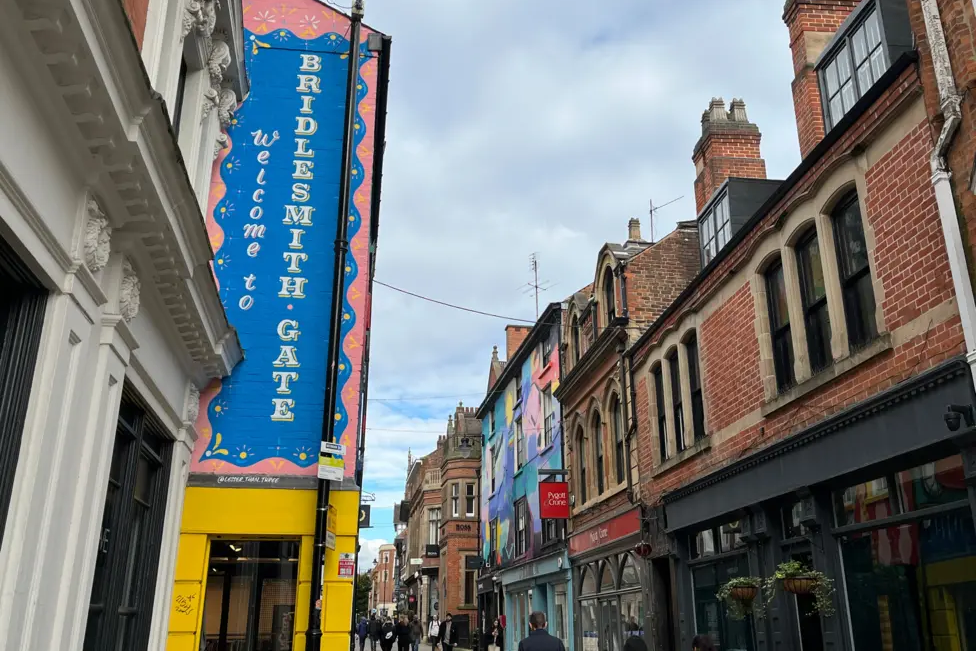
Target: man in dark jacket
<point>539,638</point>
<point>448,633</point>
<point>375,627</point>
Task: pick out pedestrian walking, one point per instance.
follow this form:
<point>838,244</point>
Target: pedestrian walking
<point>539,638</point>
<point>362,631</point>
<point>448,633</point>
<point>375,631</point>
<point>403,634</point>
<point>387,635</point>
<point>498,635</point>
<point>416,633</point>
<point>434,634</point>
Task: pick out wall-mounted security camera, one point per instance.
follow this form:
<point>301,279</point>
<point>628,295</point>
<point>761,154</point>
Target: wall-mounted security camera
<point>956,414</point>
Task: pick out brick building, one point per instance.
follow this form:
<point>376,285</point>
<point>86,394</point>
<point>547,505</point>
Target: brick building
<point>422,496</point>
<point>458,533</point>
<point>633,284</point>
<point>791,402</point>
<point>383,578</point>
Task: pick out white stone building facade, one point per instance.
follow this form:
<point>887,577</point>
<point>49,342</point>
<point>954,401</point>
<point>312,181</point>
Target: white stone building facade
<point>110,318</point>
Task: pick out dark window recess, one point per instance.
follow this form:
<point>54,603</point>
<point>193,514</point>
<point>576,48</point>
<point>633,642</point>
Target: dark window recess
<point>598,442</point>
<point>694,381</point>
<point>855,273</point>
<point>120,610</point>
<point>518,388</point>
<point>715,229</point>
<point>553,531</point>
<point>813,296</point>
<point>779,326</point>
<point>609,298</point>
<point>674,371</point>
<point>180,94</point>
<point>576,338</point>
<point>546,349</point>
<point>662,415</point>
<point>617,423</point>
<point>21,321</point>
<point>580,461</point>
<point>492,541</point>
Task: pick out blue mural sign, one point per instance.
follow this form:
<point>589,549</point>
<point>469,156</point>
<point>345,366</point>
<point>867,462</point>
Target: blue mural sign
<point>275,264</point>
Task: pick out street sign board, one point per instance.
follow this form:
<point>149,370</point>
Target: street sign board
<point>347,565</point>
<point>333,448</point>
<point>331,469</point>
<point>364,512</point>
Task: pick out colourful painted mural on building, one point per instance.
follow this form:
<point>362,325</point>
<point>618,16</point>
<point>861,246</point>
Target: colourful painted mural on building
<point>272,224</point>
<point>539,377</point>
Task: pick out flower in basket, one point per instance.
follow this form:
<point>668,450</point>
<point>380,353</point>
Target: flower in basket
<point>739,595</point>
<point>795,577</point>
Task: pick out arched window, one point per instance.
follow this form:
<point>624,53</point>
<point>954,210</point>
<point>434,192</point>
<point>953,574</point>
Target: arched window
<point>694,380</point>
<point>588,581</point>
<point>574,324</point>
<point>813,299</point>
<point>779,326</point>
<point>855,273</point>
<point>581,464</point>
<point>629,574</point>
<point>606,578</point>
<point>617,427</point>
<point>597,430</point>
<point>609,298</point>
<point>662,415</point>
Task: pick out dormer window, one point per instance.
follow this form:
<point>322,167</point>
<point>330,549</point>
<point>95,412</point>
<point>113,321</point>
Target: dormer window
<point>874,35</point>
<point>715,228</point>
<point>609,299</point>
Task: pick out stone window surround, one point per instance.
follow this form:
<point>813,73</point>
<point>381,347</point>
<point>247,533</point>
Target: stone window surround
<point>675,345</point>
<point>780,245</point>
<point>185,29</point>
<point>583,444</point>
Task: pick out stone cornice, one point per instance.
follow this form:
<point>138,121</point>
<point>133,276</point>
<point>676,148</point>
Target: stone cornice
<point>141,182</point>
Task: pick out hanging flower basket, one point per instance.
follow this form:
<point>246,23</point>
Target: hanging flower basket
<point>739,595</point>
<point>800,584</point>
<point>744,593</point>
<point>796,578</point>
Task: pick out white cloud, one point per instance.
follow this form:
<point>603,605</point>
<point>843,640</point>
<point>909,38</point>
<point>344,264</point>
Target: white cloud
<point>518,127</point>
<point>368,551</point>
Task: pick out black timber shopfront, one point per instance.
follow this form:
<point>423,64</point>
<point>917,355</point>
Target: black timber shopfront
<point>878,497</point>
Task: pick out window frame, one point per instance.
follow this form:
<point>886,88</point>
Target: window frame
<point>518,388</point>
<point>575,334</point>
<point>816,315</point>
<point>455,499</point>
<point>599,451</point>
<point>470,499</point>
<point>492,540</point>
<point>142,440</point>
<point>677,404</point>
<point>693,355</point>
<point>861,323</point>
<point>548,416</point>
<point>609,297</point>
<point>470,586</point>
<point>521,447</point>
<point>711,234</point>
<point>617,427</point>
<point>657,376</point>
<point>780,331</point>
<point>521,527</point>
<point>433,527</point>
<point>547,348</point>
<point>843,44</point>
<point>581,462</point>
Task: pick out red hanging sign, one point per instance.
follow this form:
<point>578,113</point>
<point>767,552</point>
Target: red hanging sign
<point>554,500</point>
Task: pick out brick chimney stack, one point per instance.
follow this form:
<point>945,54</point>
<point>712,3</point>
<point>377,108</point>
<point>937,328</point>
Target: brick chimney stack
<point>633,230</point>
<point>811,23</point>
<point>514,336</point>
<point>729,146</point>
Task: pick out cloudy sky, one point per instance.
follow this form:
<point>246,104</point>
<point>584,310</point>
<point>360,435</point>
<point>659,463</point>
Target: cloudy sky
<point>534,126</point>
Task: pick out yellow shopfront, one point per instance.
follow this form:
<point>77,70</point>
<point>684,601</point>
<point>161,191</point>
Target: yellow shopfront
<point>244,570</point>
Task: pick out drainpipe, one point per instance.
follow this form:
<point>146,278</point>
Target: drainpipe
<point>950,100</point>
<point>632,428</point>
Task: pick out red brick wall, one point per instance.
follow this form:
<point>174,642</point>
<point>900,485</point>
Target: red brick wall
<point>658,274</point>
<point>910,262</point>
<point>137,10</point>
<point>514,336</point>
<point>725,154</point>
<point>959,25</point>
<point>804,17</point>
<point>456,544</point>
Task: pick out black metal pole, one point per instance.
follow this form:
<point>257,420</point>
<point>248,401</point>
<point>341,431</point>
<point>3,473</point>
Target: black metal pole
<point>313,638</point>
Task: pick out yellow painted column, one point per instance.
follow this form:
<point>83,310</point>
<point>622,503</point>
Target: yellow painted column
<point>337,592</point>
<point>186,611</point>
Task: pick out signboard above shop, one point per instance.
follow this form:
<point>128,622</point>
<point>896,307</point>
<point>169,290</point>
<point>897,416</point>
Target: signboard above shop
<point>554,500</point>
<point>605,533</point>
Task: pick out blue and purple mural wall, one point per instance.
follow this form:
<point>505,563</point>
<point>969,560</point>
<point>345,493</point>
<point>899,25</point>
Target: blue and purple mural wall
<point>540,378</point>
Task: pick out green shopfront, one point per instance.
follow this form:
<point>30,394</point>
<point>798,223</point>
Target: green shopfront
<point>543,584</point>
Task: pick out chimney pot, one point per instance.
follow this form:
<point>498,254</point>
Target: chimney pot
<point>716,110</point>
<point>633,229</point>
<point>738,111</point>
<point>728,147</point>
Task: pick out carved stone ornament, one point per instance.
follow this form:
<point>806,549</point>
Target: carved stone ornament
<point>220,142</point>
<point>226,106</point>
<point>192,404</point>
<point>200,15</point>
<point>98,238</point>
<point>217,63</point>
<point>129,292</point>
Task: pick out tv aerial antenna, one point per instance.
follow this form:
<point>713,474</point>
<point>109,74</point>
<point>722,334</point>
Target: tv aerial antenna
<point>654,209</point>
<point>535,287</point>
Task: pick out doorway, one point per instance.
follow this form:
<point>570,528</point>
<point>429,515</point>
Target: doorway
<point>250,599</point>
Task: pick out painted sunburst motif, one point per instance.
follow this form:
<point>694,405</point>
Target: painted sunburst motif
<point>309,25</point>
<point>302,453</point>
<point>220,407</point>
<point>281,35</point>
<point>243,452</point>
<point>232,164</point>
<point>225,210</point>
<point>223,261</point>
<point>265,21</point>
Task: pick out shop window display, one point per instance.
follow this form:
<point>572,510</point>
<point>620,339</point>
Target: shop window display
<point>911,584</point>
<point>711,614</point>
<point>612,609</point>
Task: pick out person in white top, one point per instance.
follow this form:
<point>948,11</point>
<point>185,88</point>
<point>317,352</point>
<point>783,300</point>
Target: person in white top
<point>433,633</point>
